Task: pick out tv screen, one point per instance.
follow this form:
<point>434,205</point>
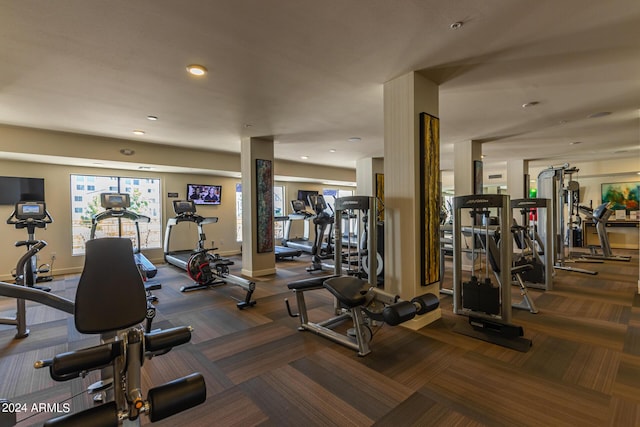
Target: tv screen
<point>303,195</point>
<point>15,189</point>
<point>204,194</point>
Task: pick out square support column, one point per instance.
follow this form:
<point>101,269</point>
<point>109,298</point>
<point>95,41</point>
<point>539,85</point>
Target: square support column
<point>258,256</point>
<point>405,98</point>
<point>518,178</point>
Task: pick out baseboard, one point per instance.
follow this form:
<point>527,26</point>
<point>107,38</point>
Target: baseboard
<point>420,322</point>
<point>258,273</point>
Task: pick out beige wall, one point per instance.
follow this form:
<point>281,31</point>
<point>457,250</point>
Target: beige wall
<point>51,153</point>
<point>184,236</point>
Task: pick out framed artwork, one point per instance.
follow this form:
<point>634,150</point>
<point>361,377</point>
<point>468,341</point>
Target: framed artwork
<point>430,198</point>
<point>477,177</point>
<point>380,195</point>
<point>621,195</point>
<point>264,205</point>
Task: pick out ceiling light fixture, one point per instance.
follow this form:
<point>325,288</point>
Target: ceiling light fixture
<point>152,118</point>
<point>333,150</point>
<point>138,132</point>
<point>127,152</point>
<point>197,70</point>
<point>456,25</point>
<point>354,139</point>
<point>600,114</point>
<point>530,104</point>
<point>304,157</point>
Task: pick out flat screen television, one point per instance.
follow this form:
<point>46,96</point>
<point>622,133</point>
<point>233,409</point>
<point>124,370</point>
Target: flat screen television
<point>304,194</point>
<point>204,194</point>
<point>15,189</point>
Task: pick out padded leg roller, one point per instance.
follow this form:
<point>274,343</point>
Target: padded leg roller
<point>100,416</point>
<point>426,303</point>
<point>176,396</point>
<point>399,312</point>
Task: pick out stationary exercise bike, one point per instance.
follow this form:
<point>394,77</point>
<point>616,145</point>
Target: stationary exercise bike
<point>32,215</point>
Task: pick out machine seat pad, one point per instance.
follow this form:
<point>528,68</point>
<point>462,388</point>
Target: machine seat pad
<point>308,284</point>
<point>521,268</point>
<point>349,290</point>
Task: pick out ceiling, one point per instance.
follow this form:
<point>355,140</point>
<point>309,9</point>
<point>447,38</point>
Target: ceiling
<point>311,73</point>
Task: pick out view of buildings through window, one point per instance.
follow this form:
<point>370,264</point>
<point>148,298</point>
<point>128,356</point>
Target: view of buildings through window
<point>85,202</point>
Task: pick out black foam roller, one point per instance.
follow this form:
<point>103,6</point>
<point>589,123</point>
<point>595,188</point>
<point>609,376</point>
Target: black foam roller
<point>100,416</point>
<point>399,312</point>
<point>426,303</point>
<point>176,396</point>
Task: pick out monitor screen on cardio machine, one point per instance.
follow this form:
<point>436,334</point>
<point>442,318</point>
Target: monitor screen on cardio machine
<point>30,210</point>
<point>115,200</point>
<point>184,207</point>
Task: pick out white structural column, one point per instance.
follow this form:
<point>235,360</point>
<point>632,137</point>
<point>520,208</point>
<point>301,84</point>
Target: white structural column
<point>366,171</point>
<point>404,99</point>
<point>464,154</point>
<point>517,178</point>
<point>254,264</point>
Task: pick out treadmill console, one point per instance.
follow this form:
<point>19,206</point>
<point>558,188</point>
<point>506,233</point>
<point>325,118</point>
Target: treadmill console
<point>184,207</point>
<point>117,201</point>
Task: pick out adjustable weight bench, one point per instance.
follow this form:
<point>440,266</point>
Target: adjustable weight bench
<point>357,300</point>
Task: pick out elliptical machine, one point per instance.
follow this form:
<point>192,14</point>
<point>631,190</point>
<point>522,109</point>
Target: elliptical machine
<point>32,215</point>
<point>324,218</point>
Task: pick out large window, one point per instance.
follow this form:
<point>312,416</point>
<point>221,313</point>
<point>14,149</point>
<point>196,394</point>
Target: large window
<point>278,210</point>
<point>145,200</point>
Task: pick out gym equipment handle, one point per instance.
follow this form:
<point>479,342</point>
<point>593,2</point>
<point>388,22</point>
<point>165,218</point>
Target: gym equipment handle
<point>166,339</point>
<point>176,396</point>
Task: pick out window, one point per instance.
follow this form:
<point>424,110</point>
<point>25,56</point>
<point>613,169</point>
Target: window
<point>278,210</point>
<point>86,203</point>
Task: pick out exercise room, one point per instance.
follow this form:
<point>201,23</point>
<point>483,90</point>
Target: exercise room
<point>323,214</point>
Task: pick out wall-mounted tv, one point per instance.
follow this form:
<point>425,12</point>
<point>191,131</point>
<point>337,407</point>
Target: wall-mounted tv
<point>15,189</point>
<point>204,194</point>
<point>304,194</point>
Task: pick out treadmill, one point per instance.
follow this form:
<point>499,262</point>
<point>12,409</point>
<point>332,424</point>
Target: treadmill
<point>185,212</point>
<point>303,244</point>
<point>282,252</point>
<point>116,205</point>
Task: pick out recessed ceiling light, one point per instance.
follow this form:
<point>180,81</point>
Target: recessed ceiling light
<point>333,150</point>
<point>197,70</point>
<point>354,139</point>
<point>575,143</point>
<point>247,125</point>
<point>304,157</point>
<point>600,114</point>
<point>456,25</point>
<point>152,118</point>
<point>483,156</point>
<point>530,104</point>
<point>127,152</point>
<point>138,132</point>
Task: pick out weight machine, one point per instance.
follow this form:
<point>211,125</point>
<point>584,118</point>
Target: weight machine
<point>488,306</point>
<point>356,299</point>
<point>551,186</point>
<point>532,247</point>
<point>112,303</point>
